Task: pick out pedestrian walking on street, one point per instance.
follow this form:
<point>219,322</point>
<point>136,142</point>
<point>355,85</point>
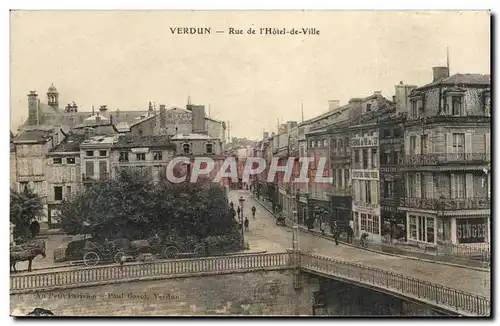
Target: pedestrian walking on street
<point>34,228</point>
<point>322,227</point>
<point>238,211</point>
<point>336,232</point>
<point>246,224</point>
<point>253,211</point>
<point>350,231</point>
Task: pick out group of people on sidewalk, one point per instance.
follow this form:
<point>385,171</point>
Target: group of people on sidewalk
<point>238,211</point>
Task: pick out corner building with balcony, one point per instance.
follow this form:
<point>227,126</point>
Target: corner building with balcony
<point>447,160</point>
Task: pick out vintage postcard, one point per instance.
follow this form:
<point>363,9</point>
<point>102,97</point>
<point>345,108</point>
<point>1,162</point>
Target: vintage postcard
<point>250,163</point>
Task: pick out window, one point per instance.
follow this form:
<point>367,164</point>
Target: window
<point>376,224</point>
<point>374,158</point>
<point>365,159</point>
<point>103,170</point>
<point>363,222</point>
<point>339,178</point>
<point>457,186</point>
<point>311,144</point>
<point>68,192</point>
<point>368,192</point>
<point>70,160</point>
<point>395,157</point>
<point>430,230</point>
<point>346,177</point>
<point>397,132</point>
<point>57,160</point>
<point>387,158</point>
<point>58,193</point>
<point>356,156</point>
<point>334,145</point>
<point>317,143</point>
<point>140,156</point>
<point>458,143</point>
<point>413,145</point>
<point>413,227</point>
<point>414,109</point>
<point>102,153</point>
<point>389,189</point>
<point>325,143</point>
<point>209,148</point>
<point>89,153</point>
<point>157,156</point>
<point>487,105</point>
<point>89,169</point>
<point>186,148</point>
<point>456,105</point>
<point>423,144</point>
<point>386,133</point>
<point>368,107</point>
<point>341,144</point>
<point>123,157</point>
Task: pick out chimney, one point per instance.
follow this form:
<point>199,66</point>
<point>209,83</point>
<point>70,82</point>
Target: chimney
<point>198,119</point>
<point>111,119</point>
<point>32,108</point>
<point>440,73</point>
<point>265,135</point>
<point>87,133</point>
<point>333,104</point>
<point>163,116</point>
<point>103,109</point>
<point>394,98</point>
<point>401,98</point>
<point>355,107</point>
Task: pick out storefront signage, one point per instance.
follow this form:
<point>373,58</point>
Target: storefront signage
<point>341,202</point>
<point>471,230</point>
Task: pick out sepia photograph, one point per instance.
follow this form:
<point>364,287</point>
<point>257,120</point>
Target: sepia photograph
<point>250,163</point>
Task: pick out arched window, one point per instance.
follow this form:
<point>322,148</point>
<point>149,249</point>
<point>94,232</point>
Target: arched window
<point>186,148</point>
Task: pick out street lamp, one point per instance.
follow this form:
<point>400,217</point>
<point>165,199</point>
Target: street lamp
<point>242,202</point>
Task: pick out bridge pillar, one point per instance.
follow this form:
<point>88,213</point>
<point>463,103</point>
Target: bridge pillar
<point>294,259</point>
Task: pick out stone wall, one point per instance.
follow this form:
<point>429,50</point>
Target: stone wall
<point>254,293</point>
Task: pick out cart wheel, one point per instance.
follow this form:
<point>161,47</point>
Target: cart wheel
<point>91,258</point>
<point>118,257</point>
<point>199,251</point>
<point>171,252</point>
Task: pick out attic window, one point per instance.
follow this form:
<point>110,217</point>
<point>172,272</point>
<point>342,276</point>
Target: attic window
<point>209,148</point>
<point>368,107</point>
<point>70,160</point>
<point>57,160</point>
<point>186,148</point>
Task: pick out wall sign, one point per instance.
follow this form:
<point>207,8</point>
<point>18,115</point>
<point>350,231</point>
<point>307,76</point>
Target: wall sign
<point>471,230</point>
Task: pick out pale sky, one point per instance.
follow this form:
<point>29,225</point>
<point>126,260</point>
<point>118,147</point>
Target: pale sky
<point>125,59</point>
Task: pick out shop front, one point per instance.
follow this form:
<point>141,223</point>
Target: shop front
<point>318,210</point>
<point>393,223</point>
<point>471,230</point>
<point>302,204</point>
<point>341,211</point>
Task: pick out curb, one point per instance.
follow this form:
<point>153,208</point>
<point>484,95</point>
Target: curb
<point>317,233</point>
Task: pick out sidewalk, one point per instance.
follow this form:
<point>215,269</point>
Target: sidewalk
<point>387,249</point>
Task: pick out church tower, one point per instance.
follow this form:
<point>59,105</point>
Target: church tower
<point>53,97</point>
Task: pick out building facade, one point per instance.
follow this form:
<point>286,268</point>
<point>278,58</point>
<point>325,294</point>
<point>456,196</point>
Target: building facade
<point>447,160</point>
<point>63,175</point>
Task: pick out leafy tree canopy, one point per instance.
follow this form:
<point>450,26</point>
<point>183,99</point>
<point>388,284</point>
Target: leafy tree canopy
<point>24,206</point>
<point>132,207</point>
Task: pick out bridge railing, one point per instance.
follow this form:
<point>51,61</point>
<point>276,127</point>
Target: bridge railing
<point>433,293</point>
<point>102,274</point>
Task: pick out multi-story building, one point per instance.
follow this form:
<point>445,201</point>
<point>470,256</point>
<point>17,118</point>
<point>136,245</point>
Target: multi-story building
<point>148,155</point>
<point>62,174</point>
<point>95,156</point>
<point>447,148</point>
<point>391,144</point>
<point>12,162</point>
<point>31,148</point>
<point>365,167</point>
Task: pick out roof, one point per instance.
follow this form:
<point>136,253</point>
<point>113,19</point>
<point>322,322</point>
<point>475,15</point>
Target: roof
<point>122,126</point>
<point>33,136</point>
<point>95,117</point>
<point>129,141</point>
<point>69,144</point>
<point>107,129</point>
<point>142,119</point>
<point>193,136</point>
<point>99,140</point>
<point>461,79</point>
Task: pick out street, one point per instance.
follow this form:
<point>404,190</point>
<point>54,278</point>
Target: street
<point>264,233</point>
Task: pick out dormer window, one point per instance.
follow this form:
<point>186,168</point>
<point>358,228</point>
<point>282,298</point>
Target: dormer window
<point>456,105</point>
<point>414,109</point>
<point>186,148</point>
<point>209,148</point>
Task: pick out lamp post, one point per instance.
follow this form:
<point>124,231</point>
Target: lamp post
<point>242,202</point>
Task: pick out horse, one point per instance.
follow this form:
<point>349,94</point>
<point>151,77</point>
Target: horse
<point>27,251</point>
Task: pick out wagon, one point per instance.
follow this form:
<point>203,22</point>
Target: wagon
<point>176,247</point>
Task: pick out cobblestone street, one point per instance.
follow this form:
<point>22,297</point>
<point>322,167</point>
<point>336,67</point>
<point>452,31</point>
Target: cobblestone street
<point>264,233</point>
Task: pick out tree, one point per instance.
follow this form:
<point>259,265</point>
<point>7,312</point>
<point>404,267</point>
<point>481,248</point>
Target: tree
<point>133,207</point>
<point>24,206</point>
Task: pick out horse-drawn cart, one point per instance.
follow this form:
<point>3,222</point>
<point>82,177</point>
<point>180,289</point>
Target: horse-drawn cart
<point>95,252</point>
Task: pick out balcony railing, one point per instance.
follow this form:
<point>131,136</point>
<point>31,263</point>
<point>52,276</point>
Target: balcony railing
<point>446,158</point>
<point>364,141</point>
<point>443,204</point>
<point>95,177</point>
